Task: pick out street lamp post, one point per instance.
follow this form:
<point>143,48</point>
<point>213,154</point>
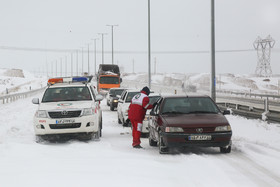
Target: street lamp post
<point>213,73</point>
<point>71,64</point>
<point>82,61</point>
<point>102,36</point>
<point>88,58</point>
<point>95,55</point>
<point>149,46</point>
<point>77,61</point>
<point>112,27</point>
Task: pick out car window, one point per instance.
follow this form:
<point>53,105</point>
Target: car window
<point>157,107</point>
<point>118,92</point>
<point>66,94</point>
<point>153,99</point>
<point>123,96</point>
<point>93,92</point>
<point>188,105</point>
<point>130,95</point>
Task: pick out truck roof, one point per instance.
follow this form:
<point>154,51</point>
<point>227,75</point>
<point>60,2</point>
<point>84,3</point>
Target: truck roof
<point>108,69</point>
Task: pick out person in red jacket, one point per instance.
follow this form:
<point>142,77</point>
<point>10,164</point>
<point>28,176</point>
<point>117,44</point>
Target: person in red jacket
<point>136,114</point>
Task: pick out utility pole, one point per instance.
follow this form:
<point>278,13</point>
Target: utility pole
<point>56,68</point>
<point>155,65</point>
<point>133,66</point>
<point>102,36</point>
<point>213,73</point>
<point>77,62</point>
<point>71,64</point>
<point>94,54</point>
<point>52,69</point>
<point>88,58</point>
<point>112,27</point>
<point>82,61</point>
<point>65,66</point>
<point>149,46</point>
<point>60,67</point>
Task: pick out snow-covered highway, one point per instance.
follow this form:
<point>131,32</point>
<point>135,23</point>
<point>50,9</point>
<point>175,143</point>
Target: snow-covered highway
<point>254,160</point>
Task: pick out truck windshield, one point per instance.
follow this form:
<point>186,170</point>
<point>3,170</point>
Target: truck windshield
<point>109,80</point>
<point>66,94</point>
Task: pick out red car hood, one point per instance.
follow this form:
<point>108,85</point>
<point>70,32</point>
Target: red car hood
<point>194,120</point>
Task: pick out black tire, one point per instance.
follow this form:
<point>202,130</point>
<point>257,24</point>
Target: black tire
<point>112,107</point>
<point>119,121</point>
<point>100,132</point>
<point>87,137</point>
<point>163,149</point>
<point>225,149</point>
<point>125,124</point>
<point>151,141</point>
<point>39,139</point>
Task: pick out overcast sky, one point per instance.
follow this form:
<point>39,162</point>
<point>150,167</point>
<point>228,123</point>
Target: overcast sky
<point>176,25</point>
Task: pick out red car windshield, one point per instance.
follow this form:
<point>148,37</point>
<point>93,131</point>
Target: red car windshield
<point>188,105</point>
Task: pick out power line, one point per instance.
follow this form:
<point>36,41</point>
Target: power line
<point>12,48</point>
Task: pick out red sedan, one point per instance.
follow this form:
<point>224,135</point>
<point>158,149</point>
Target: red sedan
<point>189,121</point>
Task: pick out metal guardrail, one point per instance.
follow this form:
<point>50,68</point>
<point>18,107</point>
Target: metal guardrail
<point>257,106</point>
<point>249,94</point>
<point>13,97</point>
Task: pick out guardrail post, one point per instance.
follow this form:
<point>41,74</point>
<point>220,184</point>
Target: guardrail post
<point>266,105</point>
<point>175,91</point>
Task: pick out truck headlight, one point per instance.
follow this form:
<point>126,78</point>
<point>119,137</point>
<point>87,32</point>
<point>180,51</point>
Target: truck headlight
<point>88,111</point>
<point>223,128</point>
<point>115,100</point>
<point>174,129</point>
<point>41,114</point>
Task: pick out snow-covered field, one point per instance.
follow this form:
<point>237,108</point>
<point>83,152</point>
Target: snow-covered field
<point>17,80</point>
<point>254,160</point>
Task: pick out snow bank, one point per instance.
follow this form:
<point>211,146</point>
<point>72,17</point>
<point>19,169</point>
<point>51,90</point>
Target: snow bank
<point>17,80</point>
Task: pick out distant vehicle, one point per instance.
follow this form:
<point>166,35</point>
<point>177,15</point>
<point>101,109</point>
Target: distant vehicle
<point>108,77</point>
<point>113,97</point>
<point>153,97</point>
<point>123,105</point>
<point>69,107</point>
<point>189,121</point>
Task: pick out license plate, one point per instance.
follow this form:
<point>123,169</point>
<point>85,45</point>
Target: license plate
<point>200,137</point>
<point>61,121</point>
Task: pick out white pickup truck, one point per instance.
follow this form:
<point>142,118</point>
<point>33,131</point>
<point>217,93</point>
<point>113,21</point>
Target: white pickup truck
<point>68,108</point>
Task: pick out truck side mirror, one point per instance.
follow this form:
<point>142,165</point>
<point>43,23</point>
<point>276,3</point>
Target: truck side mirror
<point>35,101</point>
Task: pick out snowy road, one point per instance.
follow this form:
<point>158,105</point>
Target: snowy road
<point>112,161</point>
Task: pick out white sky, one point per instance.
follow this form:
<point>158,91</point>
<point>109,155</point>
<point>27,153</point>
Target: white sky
<point>177,25</point>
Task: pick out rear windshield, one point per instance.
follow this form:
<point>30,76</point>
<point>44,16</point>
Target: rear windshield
<point>189,105</point>
<point>116,92</point>
<point>66,94</point>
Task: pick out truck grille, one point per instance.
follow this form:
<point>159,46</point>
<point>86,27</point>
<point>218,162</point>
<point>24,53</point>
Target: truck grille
<point>65,126</point>
<point>65,114</point>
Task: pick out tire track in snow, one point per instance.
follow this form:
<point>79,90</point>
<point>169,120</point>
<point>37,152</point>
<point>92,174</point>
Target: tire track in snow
<point>258,174</point>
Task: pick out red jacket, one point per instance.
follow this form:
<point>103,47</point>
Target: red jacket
<point>138,107</point>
